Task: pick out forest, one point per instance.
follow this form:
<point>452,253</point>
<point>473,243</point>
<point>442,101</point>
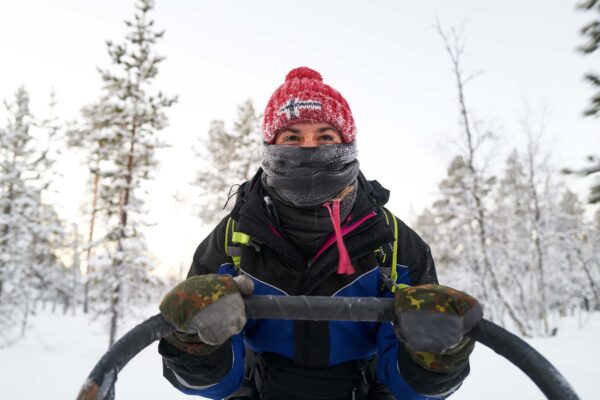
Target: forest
<point>514,233</point>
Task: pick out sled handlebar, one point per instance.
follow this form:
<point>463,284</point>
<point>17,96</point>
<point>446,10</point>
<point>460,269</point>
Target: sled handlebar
<point>101,381</point>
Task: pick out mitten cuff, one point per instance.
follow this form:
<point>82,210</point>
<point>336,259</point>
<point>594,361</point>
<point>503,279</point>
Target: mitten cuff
<point>453,359</point>
<point>427,382</point>
<point>190,344</point>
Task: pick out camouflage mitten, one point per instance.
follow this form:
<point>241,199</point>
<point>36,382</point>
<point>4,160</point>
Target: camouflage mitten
<point>432,321</point>
<point>206,310</point>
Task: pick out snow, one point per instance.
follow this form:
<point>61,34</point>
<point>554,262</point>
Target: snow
<point>574,352</point>
<point>56,355</point>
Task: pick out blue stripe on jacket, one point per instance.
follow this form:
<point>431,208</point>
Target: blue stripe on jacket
<point>344,335</point>
<point>270,335</point>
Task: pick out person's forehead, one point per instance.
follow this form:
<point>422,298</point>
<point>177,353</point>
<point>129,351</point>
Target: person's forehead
<point>309,126</point>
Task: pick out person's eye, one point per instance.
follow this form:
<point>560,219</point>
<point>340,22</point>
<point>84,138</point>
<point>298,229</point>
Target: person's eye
<point>291,138</point>
<point>326,138</point>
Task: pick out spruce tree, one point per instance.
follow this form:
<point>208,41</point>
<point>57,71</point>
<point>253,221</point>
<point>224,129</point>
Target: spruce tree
<point>228,157</point>
<point>591,32</point>
<point>524,238</point>
<point>578,245</point>
<point>512,243</point>
<point>464,212</point>
<point>120,136</point>
<point>92,135</point>
<point>30,230</point>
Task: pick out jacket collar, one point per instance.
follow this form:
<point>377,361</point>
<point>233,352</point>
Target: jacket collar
<point>253,217</point>
<point>250,199</point>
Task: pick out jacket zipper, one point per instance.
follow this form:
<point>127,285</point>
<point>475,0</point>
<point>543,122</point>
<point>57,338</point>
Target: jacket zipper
<point>345,231</point>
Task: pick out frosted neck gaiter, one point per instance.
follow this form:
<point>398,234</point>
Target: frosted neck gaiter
<point>309,176</point>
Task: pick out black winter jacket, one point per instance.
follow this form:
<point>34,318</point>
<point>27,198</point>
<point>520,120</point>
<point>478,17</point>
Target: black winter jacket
<point>306,355</point>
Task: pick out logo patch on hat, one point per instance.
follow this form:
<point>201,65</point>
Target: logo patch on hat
<point>292,108</point>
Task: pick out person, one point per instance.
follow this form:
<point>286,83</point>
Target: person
<point>309,223</point>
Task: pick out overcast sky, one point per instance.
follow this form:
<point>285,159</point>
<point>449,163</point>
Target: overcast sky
<point>385,57</point>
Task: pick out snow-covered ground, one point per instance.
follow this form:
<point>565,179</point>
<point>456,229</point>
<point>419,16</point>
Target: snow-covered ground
<point>58,353</point>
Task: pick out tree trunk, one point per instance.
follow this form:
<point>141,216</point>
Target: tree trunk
<point>76,269</point>
<point>538,241</point>
<point>490,269</point>
<point>25,318</point>
<point>5,231</point>
<point>589,277</point>
<point>455,52</point>
<point>86,286</point>
<point>123,223</point>
<point>114,315</point>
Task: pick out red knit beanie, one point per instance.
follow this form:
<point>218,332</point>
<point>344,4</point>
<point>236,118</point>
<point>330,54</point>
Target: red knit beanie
<point>304,97</point>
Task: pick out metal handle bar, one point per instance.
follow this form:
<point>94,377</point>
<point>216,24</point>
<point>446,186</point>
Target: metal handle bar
<point>100,382</point>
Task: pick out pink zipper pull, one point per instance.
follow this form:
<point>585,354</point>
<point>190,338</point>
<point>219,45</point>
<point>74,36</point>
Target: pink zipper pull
<point>344,265</point>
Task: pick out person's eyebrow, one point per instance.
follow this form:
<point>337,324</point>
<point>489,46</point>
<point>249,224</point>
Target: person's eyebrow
<point>292,130</point>
<point>327,128</point>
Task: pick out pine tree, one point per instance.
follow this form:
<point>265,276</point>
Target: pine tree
<point>228,158</point>
<point>594,240</point>
<point>512,238</point>
<point>543,251</point>
<point>453,225</point>
<point>92,136</point>
<point>17,157</point>
<point>540,189</point>
<point>510,242</point>
<point>578,245</point>
<point>120,135</point>
<point>51,277</point>
<point>30,230</point>
<point>525,238</point>
<point>591,32</point>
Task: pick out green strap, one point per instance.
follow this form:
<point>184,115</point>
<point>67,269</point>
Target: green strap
<point>227,236</point>
<point>394,271</point>
<point>394,274</point>
<point>239,238</point>
<point>387,220</point>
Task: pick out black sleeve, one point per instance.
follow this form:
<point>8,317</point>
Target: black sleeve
<point>200,370</point>
<point>414,253</point>
<point>210,254</point>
